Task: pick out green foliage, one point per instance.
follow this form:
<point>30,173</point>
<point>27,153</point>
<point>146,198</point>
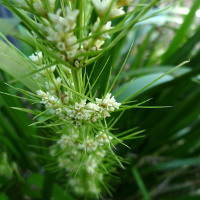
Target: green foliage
<point>162,165</point>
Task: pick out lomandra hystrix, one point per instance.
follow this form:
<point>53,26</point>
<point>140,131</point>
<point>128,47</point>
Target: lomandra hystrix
<point>70,38</point>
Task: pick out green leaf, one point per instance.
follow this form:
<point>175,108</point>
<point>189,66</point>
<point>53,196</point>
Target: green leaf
<point>185,50</point>
<point>12,63</point>
<point>154,70</point>
<point>140,83</point>
<point>8,24</point>
<point>182,31</point>
<point>60,194</point>
<point>36,179</point>
<point>172,165</point>
<point>140,183</point>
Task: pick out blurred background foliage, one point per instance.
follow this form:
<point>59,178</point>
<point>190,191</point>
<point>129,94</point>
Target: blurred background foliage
<point>162,165</point>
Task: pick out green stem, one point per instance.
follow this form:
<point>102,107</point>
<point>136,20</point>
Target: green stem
<point>77,74</point>
<point>77,77</point>
<point>81,17</point>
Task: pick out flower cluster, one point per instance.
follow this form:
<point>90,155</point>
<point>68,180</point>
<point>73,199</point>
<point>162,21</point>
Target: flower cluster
<point>85,156</point>
<point>81,140</point>
<point>60,31</point>
<point>78,112</point>
<point>96,43</point>
<point>58,26</point>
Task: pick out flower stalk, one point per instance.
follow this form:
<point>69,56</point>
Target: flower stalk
<point>76,114</point>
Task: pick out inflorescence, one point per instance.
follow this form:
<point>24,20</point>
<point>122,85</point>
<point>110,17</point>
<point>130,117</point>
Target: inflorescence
<point>82,149</point>
<point>84,153</point>
<point>60,30</point>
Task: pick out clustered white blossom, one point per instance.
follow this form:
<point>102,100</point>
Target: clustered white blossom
<point>60,31</point>
<point>95,44</point>
<point>78,153</point>
<point>73,148</point>
<point>59,28</point>
<point>78,111</point>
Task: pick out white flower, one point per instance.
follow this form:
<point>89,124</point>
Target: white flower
<point>77,64</point>
<point>109,103</point>
<point>80,105</point>
<point>55,18</point>
<point>73,181</point>
<point>60,55</point>
<point>52,152</point>
<point>58,82</point>
<point>52,110</point>
<point>66,100</point>
<point>58,111</point>
<point>41,93</point>
<point>80,146</point>
<point>97,45</point>
<point>48,71</point>
<point>91,165</point>
<point>67,70</point>
<point>101,153</point>
<point>92,106</point>
<point>61,46</point>
<point>71,113</point>
<point>38,5</point>
<point>51,86</point>
<point>93,187</point>
<point>71,54</point>
<point>71,40</point>
<point>37,57</point>
<point>79,190</point>
<point>84,115</point>
<point>104,138</point>
<point>115,12</point>
<point>47,105</point>
<point>63,162</point>
<point>102,7</point>
<point>95,117</point>
<point>105,27</point>
<point>91,145</point>
<point>65,141</point>
<point>52,34</point>
<point>71,16</point>
<point>74,154</point>
<point>52,3</point>
<point>52,98</point>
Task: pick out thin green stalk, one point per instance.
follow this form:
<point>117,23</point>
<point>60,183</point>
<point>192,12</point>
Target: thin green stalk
<point>77,77</point>
<point>140,183</point>
<point>77,74</point>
